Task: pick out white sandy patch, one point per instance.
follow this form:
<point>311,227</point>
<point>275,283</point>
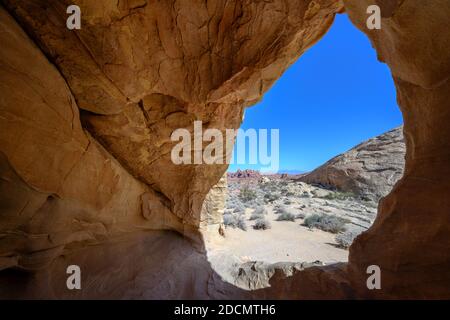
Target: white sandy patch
<point>285,241</point>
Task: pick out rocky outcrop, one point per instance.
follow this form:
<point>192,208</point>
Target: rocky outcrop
<point>213,207</point>
<point>369,170</point>
<point>138,69</point>
<point>244,174</point>
<point>255,275</point>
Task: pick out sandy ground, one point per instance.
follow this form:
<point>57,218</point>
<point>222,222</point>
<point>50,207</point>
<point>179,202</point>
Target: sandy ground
<point>286,241</point>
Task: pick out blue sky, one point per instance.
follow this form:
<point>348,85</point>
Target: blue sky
<point>333,97</point>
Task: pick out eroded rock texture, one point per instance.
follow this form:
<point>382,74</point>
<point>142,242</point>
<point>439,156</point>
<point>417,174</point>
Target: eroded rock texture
<point>213,207</point>
<point>410,237</point>
<point>59,186</point>
<point>137,70</point>
<point>368,170</point>
<point>144,68</point>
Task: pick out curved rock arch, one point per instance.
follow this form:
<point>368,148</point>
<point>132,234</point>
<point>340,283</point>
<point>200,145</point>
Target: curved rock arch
<point>138,69</point>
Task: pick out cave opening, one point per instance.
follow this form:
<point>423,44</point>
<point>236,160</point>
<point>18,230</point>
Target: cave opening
<point>341,150</point>
<point>72,188</point>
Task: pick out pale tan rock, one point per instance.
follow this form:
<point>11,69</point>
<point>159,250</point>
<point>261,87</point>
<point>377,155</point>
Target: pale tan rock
<point>153,67</point>
<point>409,239</point>
<point>214,206</point>
<point>140,139</point>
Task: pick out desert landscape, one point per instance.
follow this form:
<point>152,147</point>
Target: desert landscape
<point>281,218</point>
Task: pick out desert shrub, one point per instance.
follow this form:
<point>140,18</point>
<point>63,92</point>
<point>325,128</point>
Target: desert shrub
<point>239,208</point>
<point>229,219</point>
<point>262,224</point>
<point>246,194</point>
<point>260,210</point>
<point>339,196</point>
<point>241,224</point>
<point>286,216</point>
<point>257,202</point>
<point>283,183</point>
<point>300,216</point>
<point>234,221</point>
<point>232,202</point>
<point>287,201</point>
<point>255,216</point>
<point>305,194</point>
<point>345,239</point>
<point>271,197</point>
<point>280,209</point>
<point>325,222</point>
<point>285,213</point>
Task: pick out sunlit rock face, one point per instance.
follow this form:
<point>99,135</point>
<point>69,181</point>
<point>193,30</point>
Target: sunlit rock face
<point>369,170</point>
<point>213,207</point>
<point>58,185</point>
<point>139,69</point>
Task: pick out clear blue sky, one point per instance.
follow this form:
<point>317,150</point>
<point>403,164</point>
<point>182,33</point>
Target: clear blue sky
<point>334,97</point>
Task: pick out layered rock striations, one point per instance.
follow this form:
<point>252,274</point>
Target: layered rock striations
<point>140,69</point>
<point>369,170</point>
<point>59,186</point>
<point>105,99</point>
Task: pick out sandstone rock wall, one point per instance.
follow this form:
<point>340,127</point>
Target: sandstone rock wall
<point>133,73</point>
<point>409,239</point>
<point>213,207</point>
<point>138,69</point>
<point>59,186</point>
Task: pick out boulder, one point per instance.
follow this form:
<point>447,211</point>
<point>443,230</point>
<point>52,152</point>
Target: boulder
<point>369,170</point>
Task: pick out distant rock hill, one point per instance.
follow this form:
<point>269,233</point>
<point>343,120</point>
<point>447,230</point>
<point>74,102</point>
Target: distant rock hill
<point>245,174</point>
<point>369,170</point>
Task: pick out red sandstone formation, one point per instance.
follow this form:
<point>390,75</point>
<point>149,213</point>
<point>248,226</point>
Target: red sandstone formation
<point>244,174</point>
<point>369,170</point>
